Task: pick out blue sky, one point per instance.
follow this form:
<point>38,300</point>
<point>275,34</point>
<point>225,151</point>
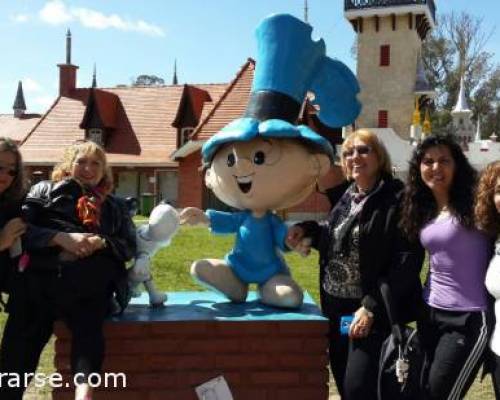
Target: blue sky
<point>210,39</point>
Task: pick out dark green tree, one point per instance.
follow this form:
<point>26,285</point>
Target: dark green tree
<point>148,80</point>
<point>454,49</point>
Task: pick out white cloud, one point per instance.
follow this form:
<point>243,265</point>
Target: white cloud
<point>20,18</point>
<point>55,12</point>
<point>153,30</point>
<point>44,102</point>
<point>30,85</point>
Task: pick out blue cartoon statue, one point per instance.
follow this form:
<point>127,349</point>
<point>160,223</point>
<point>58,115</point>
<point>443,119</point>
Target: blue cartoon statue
<point>264,162</point>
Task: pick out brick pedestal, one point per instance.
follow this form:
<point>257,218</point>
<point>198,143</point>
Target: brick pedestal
<point>262,352</point>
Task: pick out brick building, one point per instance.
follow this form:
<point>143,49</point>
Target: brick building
<point>152,134</point>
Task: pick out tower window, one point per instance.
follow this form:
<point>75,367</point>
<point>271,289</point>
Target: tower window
<point>385,55</point>
<point>383,119</point>
<point>95,135</point>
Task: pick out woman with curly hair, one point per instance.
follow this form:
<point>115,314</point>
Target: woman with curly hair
<point>438,214</point>
<point>487,213</point>
<point>12,191</point>
<point>78,240</point>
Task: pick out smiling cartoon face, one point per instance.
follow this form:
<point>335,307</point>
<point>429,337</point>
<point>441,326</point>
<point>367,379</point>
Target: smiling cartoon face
<point>265,174</point>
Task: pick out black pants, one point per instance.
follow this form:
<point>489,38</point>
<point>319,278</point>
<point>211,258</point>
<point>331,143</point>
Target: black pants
<point>354,363</point>
<point>495,373</point>
<point>37,300</point>
<point>454,343</point>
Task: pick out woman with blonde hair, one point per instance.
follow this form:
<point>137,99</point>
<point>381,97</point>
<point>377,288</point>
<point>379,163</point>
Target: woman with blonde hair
<point>78,241</point>
<point>359,245</point>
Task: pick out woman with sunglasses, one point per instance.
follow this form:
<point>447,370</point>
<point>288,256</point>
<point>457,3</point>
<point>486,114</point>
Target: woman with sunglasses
<point>78,241</point>
<point>359,244</point>
<point>12,190</point>
<point>438,215</point>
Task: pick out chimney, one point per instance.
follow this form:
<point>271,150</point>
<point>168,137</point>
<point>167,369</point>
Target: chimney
<point>67,72</point>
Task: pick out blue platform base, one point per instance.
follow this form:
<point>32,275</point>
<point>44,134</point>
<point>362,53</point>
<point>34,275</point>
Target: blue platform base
<point>211,306</point>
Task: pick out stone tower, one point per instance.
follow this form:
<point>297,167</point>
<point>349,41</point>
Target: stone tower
<point>389,42</point>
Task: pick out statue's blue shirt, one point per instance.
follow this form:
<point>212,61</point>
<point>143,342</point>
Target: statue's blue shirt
<point>256,255</point>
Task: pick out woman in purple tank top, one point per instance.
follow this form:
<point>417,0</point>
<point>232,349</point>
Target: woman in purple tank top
<point>438,214</point>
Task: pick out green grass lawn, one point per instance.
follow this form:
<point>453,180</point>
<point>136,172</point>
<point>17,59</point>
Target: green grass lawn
<point>171,272</point>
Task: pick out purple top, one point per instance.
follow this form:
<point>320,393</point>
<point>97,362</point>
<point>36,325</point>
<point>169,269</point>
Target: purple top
<point>458,262</point>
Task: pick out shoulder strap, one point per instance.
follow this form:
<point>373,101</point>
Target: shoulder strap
<point>385,291</point>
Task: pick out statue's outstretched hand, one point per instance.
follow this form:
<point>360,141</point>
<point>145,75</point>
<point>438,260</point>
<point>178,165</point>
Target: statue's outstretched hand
<point>296,240</point>
<point>193,216</point>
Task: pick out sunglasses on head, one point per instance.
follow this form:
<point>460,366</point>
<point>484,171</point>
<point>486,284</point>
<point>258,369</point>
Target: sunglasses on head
<point>362,150</point>
<point>8,170</point>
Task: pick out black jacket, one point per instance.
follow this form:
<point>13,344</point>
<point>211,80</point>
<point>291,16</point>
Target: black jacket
<point>7,212</point>
<point>50,208</point>
<point>383,253</point>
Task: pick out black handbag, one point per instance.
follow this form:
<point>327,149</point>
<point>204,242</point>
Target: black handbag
<point>401,358</point>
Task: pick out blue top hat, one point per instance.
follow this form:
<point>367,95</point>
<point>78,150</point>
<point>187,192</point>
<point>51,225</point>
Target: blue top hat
<point>288,65</point>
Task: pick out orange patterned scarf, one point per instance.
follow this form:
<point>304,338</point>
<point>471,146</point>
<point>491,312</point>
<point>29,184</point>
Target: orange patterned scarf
<point>88,207</point>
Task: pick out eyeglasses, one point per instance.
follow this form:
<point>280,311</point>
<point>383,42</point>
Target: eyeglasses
<point>8,170</point>
<point>362,150</point>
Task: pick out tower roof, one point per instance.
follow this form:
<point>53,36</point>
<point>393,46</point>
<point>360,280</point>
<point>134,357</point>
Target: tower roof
<point>175,81</point>
<point>19,103</point>
<point>425,10</point>
<point>94,77</point>
<point>462,106</point>
<point>422,85</point>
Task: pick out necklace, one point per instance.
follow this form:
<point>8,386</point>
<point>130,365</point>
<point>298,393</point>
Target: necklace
<point>443,212</point>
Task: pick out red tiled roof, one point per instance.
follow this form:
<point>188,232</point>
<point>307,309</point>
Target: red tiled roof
<point>143,133</point>
<point>215,90</point>
<point>230,106</point>
<point>106,104</point>
<point>197,98</point>
<point>17,128</point>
